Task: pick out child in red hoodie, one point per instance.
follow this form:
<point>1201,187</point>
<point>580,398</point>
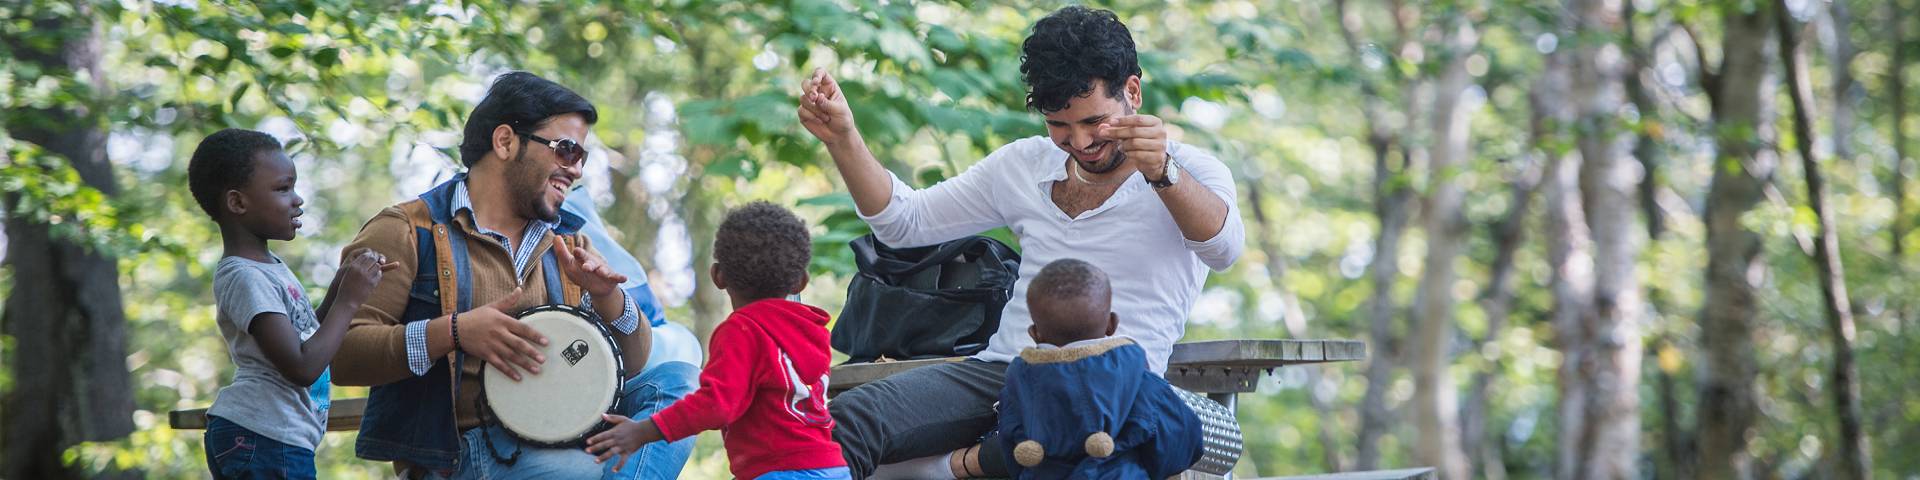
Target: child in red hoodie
<point>765,385</point>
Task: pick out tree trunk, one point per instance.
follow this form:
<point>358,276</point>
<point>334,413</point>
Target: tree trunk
<point>1852,456</point>
<point>1435,398</point>
<point>1295,319</point>
<point>64,313</point>
<point>1569,254</point>
<point>710,305</point>
<point>1675,460</point>
<point>1897,134</point>
<point>1845,95</point>
<point>1742,121</point>
<point>1607,362</point>
<point>1496,300</point>
<point>1649,143</point>
<point>1390,205</point>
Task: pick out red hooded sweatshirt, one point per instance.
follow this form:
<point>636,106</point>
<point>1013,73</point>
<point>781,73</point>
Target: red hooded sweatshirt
<point>765,389</point>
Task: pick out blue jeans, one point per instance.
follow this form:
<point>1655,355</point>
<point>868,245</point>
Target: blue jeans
<point>643,396</point>
<point>831,473</point>
<point>233,452</point>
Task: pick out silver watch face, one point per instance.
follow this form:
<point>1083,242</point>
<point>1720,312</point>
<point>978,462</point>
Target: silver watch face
<point>1172,175</point>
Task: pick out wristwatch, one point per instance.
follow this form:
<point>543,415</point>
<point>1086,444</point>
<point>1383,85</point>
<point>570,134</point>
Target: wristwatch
<point>1170,174</point>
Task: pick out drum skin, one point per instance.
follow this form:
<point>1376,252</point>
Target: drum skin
<point>561,405</point>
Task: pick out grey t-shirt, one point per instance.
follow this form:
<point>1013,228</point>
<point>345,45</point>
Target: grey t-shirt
<point>259,398</point>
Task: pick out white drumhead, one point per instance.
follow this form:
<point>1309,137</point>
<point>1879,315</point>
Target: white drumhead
<point>577,383</point>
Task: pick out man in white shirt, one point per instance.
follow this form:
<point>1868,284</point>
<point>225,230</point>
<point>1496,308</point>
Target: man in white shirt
<point>1105,186</point>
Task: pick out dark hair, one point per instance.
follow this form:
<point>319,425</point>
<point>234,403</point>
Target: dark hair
<point>222,162</point>
<point>1068,50</point>
<point>762,250</point>
<point>520,100</point>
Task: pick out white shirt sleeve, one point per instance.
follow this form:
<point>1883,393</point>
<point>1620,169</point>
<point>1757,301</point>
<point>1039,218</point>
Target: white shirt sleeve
<point>1219,252</point>
<point>960,206</point>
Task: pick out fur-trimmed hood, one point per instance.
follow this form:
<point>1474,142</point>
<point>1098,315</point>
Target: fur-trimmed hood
<point>1094,410</point>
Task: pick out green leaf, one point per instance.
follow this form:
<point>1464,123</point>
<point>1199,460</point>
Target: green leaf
<point>835,199</point>
<point>241,91</point>
<point>794,153</point>
<point>736,165</point>
<point>327,57</point>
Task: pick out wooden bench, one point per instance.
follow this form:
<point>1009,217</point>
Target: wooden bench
<point>1219,369</point>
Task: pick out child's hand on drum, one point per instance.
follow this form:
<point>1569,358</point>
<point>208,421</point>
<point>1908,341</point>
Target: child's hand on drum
<point>626,437</point>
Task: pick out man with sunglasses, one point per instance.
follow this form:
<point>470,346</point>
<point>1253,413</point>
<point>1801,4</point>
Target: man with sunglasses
<point>497,239</point>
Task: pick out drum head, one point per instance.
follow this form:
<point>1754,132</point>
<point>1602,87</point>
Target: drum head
<point>579,381</point>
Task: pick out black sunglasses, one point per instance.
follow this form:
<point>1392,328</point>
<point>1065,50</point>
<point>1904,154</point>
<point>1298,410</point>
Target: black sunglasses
<point>572,155</point>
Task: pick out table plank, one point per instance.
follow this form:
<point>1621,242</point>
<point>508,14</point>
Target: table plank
<point>1266,353</point>
<point>1216,366</point>
<point>344,416</point>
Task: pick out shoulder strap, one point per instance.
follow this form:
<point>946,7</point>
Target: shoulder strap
<point>422,219</point>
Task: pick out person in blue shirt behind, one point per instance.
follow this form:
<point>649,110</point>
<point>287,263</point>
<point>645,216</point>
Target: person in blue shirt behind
<point>1082,403</point>
<point>672,342</point>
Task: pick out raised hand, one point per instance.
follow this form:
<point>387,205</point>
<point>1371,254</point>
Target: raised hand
<point>356,279</point>
<point>587,269</point>
<point>824,110</point>
<point>1143,138</point>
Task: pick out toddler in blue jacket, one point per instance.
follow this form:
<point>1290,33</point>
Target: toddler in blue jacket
<point>1082,403</point>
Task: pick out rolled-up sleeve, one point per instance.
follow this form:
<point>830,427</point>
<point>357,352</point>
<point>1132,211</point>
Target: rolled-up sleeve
<point>960,206</point>
<point>1219,252</point>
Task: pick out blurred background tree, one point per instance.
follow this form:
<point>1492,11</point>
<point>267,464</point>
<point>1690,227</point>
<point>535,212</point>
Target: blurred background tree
<point>1574,234</point>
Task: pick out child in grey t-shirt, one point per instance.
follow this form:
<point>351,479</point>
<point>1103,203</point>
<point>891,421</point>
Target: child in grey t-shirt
<point>268,421</point>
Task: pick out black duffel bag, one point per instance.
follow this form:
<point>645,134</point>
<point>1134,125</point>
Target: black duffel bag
<point>927,302</point>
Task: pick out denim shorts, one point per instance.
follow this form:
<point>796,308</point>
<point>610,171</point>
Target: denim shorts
<point>233,452</point>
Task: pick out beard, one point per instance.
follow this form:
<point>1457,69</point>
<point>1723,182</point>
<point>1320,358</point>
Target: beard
<point>1112,163</point>
<point>530,187</point>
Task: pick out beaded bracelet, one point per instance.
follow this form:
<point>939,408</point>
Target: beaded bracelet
<point>453,325</point>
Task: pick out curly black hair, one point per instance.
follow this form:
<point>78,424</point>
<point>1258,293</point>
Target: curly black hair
<point>763,250</point>
<point>520,100</point>
<point>1069,49</point>
<point>222,162</point>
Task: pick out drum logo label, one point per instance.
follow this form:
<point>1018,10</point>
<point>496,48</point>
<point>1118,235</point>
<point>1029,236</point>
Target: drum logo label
<point>575,352</point>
